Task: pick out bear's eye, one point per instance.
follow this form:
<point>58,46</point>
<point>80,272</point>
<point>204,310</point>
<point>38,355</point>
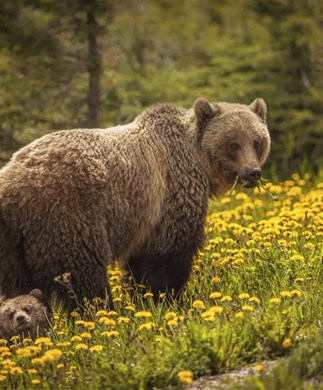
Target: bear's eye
<point>26,309</point>
<point>234,146</point>
<point>11,314</point>
<point>256,145</point>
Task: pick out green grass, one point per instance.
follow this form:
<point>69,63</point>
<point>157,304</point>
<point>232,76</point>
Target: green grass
<point>255,295</point>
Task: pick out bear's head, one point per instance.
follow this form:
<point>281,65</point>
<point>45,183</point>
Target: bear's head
<point>233,142</point>
<point>23,314</point>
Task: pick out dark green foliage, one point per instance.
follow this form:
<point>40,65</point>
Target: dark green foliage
<point>78,63</point>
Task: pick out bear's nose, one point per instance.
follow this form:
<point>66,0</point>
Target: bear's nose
<point>252,175</point>
<point>21,319</point>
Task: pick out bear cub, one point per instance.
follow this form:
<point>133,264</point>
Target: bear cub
<point>24,316</point>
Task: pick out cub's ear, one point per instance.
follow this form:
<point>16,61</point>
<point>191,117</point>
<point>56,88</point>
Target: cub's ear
<point>258,106</point>
<point>36,293</point>
<point>204,110</point>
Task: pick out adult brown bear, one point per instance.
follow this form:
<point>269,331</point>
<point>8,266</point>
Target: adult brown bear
<point>73,200</point>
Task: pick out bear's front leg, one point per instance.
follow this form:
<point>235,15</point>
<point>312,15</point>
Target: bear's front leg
<point>162,272</point>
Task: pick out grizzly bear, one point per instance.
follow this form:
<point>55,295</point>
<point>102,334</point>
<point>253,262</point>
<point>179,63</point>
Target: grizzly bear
<point>24,316</point>
<point>74,200</point>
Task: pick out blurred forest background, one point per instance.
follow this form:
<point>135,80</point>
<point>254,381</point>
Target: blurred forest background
<point>97,63</point>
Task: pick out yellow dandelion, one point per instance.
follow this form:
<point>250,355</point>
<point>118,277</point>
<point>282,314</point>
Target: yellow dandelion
<point>112,313</point>
<point>170,316</point>
<point>101,313</point>
<point>225,200</point>
<point>60,365</point>
<point>244,296</point>
<point>89,325</point>
<point>35,381</point>
<point>199,305</point>
<point>76,339</point>
<point>86,335</point>
<point>111,333</point>
<point>79,322</point>
<point>162,295</point>
<point>296,292</point>
<point>254,299</point>
<point>215,295</point>
<point>147,326</point>
<point>37,362</point>
<point>173,322</point>
<point>247,308</point>
<point>299,280</point>
<point>7,363</point>
<point>96,348</point>
<point>27,340</point>
<point>216,279</point>
<point>116,288</point>
<point>6,355</point>
<point>143,314</point>
<point>53,354</point>
<point>123,320</point>
<point>208,316</point>
<point>4,349</point>
<point>107,321</point>
<point>130,308</point>
<point>63,344</point>
<point>309,245</point>
<point>74,314</point>
<point>44,341</point>
<point>3,342</point>
<point>240,314</point>
<point>80,346</point>
<point>259,367</point>
<point>216,309</point>
<point>24,352</point>
<point>16,371</point>
<point>287,343</point>
<point>32,371</point>
<point>285,294</point>
<point>148,295</point>
<point>226,298</point>
<point>297,258</point>
<point>275,300</point>
<point>185,376</point>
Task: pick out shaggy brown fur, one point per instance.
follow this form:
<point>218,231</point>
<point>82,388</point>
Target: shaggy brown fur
<point>23,316</point>
<point>73,200</point>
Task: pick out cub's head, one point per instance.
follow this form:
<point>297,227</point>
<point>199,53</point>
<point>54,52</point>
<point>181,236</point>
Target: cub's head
<point>24,315</point>
<point>233,142</point>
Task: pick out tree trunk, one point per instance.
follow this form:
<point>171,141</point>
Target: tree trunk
<point>94,69</point>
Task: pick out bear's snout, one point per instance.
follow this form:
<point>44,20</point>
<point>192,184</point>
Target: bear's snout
<point>251,176</point>
<point>22,319</point>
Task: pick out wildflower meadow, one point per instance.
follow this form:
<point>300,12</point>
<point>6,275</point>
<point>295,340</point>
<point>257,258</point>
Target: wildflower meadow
<point>255,296</point>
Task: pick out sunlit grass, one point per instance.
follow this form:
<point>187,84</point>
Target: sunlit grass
<point>255,294</point>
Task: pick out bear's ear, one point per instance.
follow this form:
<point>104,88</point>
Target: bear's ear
<point>204,110</point>
<point>258,106</point>
<point>36,293</point>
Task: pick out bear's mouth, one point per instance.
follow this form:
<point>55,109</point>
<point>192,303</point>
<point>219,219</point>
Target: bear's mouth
<point>23,327</point>
<point>249,184</point>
